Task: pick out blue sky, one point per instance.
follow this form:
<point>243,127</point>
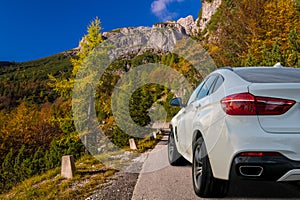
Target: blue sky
<point>34,29</point>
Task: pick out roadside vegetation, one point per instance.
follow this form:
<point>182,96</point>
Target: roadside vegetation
<point>90,176</point>
<point>36,120</point>
<point>254,33</point>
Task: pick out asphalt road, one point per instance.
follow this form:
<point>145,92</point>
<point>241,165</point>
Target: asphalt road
<point>160,181</point>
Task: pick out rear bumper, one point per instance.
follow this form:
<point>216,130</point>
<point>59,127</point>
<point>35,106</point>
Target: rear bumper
<point>292,175</point>
<point>244,134</point>
<point>270,168</point>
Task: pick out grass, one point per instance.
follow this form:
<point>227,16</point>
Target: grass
<point>90,175</point>
<point>148,143</point>
<point>121,157</point>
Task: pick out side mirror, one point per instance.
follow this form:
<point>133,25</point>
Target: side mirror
<point>176,102</point>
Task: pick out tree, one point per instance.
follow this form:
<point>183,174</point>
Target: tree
<point>38,164</point>
<point>88,43</point>
<point>245,32</point>
<point>18,161</point>
<point>294,49</point>
<point>65,85</point>
<point>278,33</point>
<point>8,170</point>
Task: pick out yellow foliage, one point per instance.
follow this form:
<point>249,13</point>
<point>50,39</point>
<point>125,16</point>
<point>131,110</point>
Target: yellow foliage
<point>242,29</point>
<point>88,43</point>
<point>280,17</point>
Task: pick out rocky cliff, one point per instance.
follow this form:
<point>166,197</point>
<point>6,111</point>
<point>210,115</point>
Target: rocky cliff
<point>138,40</point>
<point>191,26</point>
<point>152,38</point>
<point>186,26</point>
<point>209,7</point>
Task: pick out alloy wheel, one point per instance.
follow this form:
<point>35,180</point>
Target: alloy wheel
<point>198,166</point>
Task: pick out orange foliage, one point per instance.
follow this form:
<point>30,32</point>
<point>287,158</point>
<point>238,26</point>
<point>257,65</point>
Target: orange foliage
<point>29,126</point>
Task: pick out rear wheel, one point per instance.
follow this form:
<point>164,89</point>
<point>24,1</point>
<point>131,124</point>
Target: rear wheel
<point>205,185</point>
<point>175,158</point>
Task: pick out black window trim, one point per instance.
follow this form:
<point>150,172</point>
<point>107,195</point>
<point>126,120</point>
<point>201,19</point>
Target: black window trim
<point>214,84</point>
<point>195,99</point>
<point>208,93</point>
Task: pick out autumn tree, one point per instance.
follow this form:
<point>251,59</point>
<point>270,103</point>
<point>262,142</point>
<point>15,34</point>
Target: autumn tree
<point>246,32</point>
<point>231,29</point>
<point>278,34</point>
<point>88,43</point>
<point>64,86</point>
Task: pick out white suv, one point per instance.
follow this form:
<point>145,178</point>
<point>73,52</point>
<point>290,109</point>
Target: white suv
<point>241,123</point>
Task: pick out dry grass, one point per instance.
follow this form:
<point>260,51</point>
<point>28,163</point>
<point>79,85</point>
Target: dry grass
<point>90,176</point>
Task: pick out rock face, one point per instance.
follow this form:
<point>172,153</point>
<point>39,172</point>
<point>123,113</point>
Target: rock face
<point>136,41</point>
<point>160,38</point>
<point>186,26</point>
<point>209,7</point>
<point>189,24</point>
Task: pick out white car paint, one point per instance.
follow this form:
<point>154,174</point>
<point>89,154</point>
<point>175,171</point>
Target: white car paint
<point>225,136</point>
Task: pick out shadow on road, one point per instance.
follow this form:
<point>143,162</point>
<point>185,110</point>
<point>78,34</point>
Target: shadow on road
<point>240,189</point>
<point>262,189</point>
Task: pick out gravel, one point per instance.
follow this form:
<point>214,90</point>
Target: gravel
<point>122,184</point>
<point>120,187</point>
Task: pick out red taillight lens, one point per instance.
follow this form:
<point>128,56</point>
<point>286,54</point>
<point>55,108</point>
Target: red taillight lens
<point>248,104</point>
<point>273,106</point>
<point>259,154</point>
<point>239,104</point>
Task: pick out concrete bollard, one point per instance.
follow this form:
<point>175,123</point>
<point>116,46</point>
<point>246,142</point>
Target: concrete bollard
<point>132,144</point>
<point>154,135</point>
<point>68,167</point>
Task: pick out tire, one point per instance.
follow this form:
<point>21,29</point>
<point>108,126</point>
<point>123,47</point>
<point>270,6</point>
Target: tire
<point>204,183</point>
<point>175,159</point>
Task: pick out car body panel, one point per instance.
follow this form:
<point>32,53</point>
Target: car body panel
<point>226,136</point>
<point>288,122</point>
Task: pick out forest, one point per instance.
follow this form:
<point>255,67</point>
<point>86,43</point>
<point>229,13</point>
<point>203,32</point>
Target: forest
<point>254,33</point>
<point>36,120</point>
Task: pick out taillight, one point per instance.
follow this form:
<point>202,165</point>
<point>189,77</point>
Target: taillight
<point>273,106</point>
<point>259,154</point>
<point>239,104</point>
<point>248,104</point>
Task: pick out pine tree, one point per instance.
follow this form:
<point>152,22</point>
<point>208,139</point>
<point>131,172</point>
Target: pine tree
<point>54,157</point>
<point>38,164</point>
<point>293,51</point>
<point>276,53</point>
<point>18,168</point>
<point>266,59</point>
<point>8,170</point>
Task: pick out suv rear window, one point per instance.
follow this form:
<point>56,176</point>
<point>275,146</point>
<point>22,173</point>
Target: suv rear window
<point>269,74</point>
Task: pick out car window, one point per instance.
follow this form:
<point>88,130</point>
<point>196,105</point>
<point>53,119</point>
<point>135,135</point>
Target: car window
<point>269,74</point>
<point>206,87</point>
<point>196,91</point>
<point>217,84</point>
